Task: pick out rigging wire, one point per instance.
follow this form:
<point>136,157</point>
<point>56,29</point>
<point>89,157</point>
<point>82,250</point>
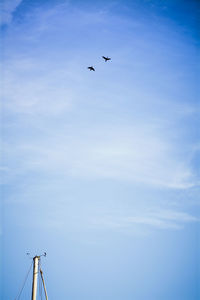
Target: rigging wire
<point>24,282</point>
<point>40,287</point>
<point>39,281</point>
<point>44,288</point>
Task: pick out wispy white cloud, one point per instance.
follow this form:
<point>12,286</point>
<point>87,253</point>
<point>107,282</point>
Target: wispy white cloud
<point>7,8</point>
<point>137,222</point>
<point>160,219</point>
<point>43,95</point>
<point>136,154</point>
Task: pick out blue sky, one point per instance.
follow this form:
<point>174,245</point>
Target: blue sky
<point>101,169</point>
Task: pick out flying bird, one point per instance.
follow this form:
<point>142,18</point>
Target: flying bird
<point>91,68</point>
<point>106,58</point>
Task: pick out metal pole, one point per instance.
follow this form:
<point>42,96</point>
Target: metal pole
<point>35,275</point>
<point>45,291</point>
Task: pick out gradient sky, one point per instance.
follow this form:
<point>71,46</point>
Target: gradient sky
<point>101,169</point>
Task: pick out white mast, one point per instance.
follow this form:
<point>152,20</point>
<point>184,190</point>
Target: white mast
<point>36,269</point>
<point>35,276</point>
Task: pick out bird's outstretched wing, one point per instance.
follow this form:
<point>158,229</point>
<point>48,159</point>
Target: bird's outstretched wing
<point>106,58</point>
<point>91,68</point>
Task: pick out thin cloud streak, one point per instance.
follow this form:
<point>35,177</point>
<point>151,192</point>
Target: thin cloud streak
<point>135,154</point>
<point>7,8</point>
<point>160,219</point>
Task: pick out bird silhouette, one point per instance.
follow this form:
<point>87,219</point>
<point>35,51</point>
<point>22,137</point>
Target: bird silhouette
<point>106,58</point>
<point>91,68</point>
